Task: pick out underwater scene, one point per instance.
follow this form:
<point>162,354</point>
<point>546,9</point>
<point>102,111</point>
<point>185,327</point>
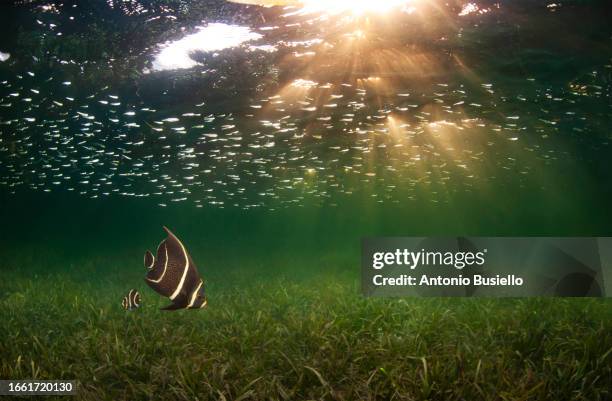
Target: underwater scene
<point>185,185</point>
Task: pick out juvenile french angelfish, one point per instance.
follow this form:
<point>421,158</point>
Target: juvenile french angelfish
<point>131,301</point>
<point>173,274</point>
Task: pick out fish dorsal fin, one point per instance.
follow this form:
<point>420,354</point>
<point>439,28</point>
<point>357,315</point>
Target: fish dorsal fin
<point>173,240</point>
<point>177,251</point>
<point>177,254</point>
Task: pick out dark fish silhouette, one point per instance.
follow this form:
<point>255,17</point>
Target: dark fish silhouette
<point>173,274</point>
<point>131,301</point>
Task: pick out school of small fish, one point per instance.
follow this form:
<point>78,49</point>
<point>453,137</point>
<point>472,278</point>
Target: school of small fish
<point>334,111</point>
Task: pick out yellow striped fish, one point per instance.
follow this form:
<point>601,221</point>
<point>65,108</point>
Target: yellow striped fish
<point>174,275</point>
<point>131,301</point>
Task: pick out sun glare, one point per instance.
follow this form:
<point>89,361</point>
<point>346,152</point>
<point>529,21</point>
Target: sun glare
<point>357,7</point>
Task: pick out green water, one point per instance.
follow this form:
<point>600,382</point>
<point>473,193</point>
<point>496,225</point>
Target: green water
<point>317,130</point>
<point>271,141</point>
